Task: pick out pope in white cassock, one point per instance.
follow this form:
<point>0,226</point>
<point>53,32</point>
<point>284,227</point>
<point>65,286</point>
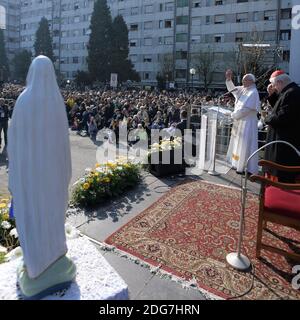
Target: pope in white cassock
<point>244,135</point>
<point>40,171</point>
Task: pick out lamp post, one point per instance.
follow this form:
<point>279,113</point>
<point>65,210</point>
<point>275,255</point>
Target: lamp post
<point>192,73</point>
<point>236,259</point>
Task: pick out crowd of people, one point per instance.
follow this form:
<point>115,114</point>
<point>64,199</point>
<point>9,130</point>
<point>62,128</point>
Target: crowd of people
<point>92,110</point>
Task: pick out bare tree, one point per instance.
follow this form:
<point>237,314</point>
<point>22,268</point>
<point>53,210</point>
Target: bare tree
<point>167,64</point>
<point>206,65</point>
<point>255,56</point>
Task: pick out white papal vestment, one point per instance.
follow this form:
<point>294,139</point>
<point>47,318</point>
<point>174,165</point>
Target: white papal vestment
<point>244,135</point>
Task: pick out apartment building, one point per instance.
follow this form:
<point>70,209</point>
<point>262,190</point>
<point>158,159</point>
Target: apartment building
<point>9,22</point>
<point>165,36</point>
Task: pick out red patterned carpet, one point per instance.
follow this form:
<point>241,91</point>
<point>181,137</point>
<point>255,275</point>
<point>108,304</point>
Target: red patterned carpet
<point>189,232</point>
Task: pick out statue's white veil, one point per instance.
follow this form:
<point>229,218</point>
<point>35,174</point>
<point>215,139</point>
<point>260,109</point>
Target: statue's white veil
<point>40,167</point>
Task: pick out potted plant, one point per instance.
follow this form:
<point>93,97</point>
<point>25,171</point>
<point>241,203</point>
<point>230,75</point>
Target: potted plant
<point>168,154</point>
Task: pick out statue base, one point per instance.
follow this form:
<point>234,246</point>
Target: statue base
<point>95,277</point>
<point>57,277</point>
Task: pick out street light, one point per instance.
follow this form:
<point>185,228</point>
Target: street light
<point>192,72</point>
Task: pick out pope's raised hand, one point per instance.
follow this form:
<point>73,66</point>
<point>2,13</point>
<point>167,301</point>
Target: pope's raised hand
<point>229,74</point>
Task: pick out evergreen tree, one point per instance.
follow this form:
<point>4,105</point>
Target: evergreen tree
<point>99,48</point>
<point>21,63</point>
<point>43,40</point>
<point>120,63</point>
<point>4,67</point>
<point>82,78</point>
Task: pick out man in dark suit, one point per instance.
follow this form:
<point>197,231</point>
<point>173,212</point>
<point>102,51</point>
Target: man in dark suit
<point>182,125</point>
<point>4,115</point>
<point>283,122</point>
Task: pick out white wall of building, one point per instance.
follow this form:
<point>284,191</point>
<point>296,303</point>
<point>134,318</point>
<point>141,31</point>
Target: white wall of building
<point>295,47</point>
<point>149,29</point>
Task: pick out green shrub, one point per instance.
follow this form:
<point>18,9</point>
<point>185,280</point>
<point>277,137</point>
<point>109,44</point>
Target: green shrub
<point>103,182</point>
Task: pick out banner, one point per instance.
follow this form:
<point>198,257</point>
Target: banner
<point>114,80</point>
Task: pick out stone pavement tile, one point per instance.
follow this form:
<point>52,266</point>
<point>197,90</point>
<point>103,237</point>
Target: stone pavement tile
<point>143,285</point>
<point>106,220</point>
<point>148,178</point>
<point>134,275</point>
<point>166,289</point>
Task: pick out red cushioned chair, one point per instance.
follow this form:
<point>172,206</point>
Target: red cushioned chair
<point>280,204</point>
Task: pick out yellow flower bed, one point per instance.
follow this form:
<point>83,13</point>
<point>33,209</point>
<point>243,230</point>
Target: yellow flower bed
<point>8,232</point>
<point>105,181</point>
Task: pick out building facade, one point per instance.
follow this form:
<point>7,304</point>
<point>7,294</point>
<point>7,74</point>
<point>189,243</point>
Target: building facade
<point>167,37</point>
<point>10,23</point>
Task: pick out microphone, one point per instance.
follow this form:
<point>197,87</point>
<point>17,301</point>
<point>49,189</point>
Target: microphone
<point>227,93</point>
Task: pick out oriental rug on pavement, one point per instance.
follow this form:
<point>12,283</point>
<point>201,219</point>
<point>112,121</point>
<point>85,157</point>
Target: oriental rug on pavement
<point>191,229</point>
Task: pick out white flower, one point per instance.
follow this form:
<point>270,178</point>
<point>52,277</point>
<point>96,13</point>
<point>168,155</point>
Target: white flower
<point>5,225</point>
<point>14,254</point>
<point>71,232</point>
<point>3,249</point>
<point>88,170</point>
<point>14,233</point>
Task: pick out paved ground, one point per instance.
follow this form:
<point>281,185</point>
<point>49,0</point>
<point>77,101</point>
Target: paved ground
<point>99,224</point>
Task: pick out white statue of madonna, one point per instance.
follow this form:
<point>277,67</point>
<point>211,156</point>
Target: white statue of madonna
<point>39,175</point>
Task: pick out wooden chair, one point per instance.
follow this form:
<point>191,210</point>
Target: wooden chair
<point>280,204</point>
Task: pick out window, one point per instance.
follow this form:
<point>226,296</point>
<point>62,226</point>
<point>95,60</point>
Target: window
<point>148,41</point>
<point>286,14</point>
<point>219,38</point>
<point>219,56</point>
<point>270,35</point>
<point>181,37</point>
<point>180,73</point>
<point>148,25</point>
<point>168,40</point>
<point>134,27</point>
<point>196,39</point>
<point>169,6</point>
<point>242,17</point>
<point>121,12</point>
<point>168,23</point>
<point>147,58</point>
<point>182,20</point>
<point>182,3</point>
<point>240,36</point>
<point>270,15</point>
<point>219,19</point>
<point>133,43</point>
<point>285,35</point>
<point>149,9</point>
<point>286,55</point>
<point>134,11</point>
<point>181,55</point>
<point>133,58</point>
